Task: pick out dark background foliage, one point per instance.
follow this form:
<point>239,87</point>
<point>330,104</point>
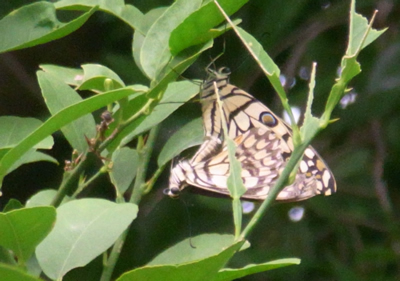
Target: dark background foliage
<point>352,235</point>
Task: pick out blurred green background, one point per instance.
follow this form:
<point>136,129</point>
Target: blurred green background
<point>352,235</point>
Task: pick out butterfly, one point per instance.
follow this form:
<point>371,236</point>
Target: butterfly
<point>263,146</point>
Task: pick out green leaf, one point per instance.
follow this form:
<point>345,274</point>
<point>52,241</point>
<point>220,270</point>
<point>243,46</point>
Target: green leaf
<point>58,96</point>
<point>125,162</point>
<point>361,33</point>
<point>176,66</point>
<point>155,52</point>
<point>70,76</point>
<point>261,57</point>
<point>32,156</point>
<point>128,13</point>
<point>35,24</point>
<point>77,239</point>
<point>95,76</point>
<point>12,204</point>
<point>228,274</point>
<point>23,229</point>
<point>59,120</point>
<point>138,37</point>
<point>44,198</point>
<point>189,135</point>
<point>198,27</point>
<point>11,273</point>
<point>205,245</point>
<point>14,129</point>
<point>176,95</point>
<point>193,267</point>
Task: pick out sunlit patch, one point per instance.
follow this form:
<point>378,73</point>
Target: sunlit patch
<point>282,78</point>
<point>296,214</point>
<point>348,99</point>
<point>248,207</point>
<point>304,73</point>
<point>325,5</point>
<point>78,77</point>
<point>296,114</point>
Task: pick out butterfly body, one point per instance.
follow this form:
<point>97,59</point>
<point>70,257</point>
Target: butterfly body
<point>263,146</point>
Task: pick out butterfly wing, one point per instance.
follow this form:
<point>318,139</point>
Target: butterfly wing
<point>259,152</point>
<point>243,112</point>
<point>264,144</point>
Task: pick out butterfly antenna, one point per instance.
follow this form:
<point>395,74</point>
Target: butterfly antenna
<point>190,224</point>
<point>213,60</point>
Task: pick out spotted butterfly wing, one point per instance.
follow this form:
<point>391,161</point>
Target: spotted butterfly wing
<point>248,120</point>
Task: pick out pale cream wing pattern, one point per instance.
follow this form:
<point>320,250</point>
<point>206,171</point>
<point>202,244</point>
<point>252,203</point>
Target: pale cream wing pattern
<point>259,151</point>
<point>248,119</point>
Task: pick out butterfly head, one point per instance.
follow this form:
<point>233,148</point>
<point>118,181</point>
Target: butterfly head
<point>220,77</point>
<point>172,192</point>
<point>221,73</point>
<point>176,180</point>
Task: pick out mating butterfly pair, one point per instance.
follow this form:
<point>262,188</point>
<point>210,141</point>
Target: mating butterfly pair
<point>263,146</point>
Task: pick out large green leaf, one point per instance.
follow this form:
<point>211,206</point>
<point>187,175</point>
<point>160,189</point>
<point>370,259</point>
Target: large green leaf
<point>9,273</point>
<point>84,229</point>
<point>31,156</point>
<point>176,95</point>
<point>95,76</point>
<point>123,171</point>
<point>23,229</point>
<point>176,67</point>
<point>155,52</point>
<point>61,119</point>
<point>198,27</point>
<point>70,76</point>
<point>14,129</point>
<point>138,37</point>
<point>205,245</point>
<point>191,134</point>
<point>128,13</point>
<point>58,96</point>
<point>183,262</point>
<point>35,24</point>
<point>44,198</point>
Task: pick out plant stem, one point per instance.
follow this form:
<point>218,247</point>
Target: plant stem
<point>123,124</point>
<point>82,186</point>
<point>68,181</point>
<point>149,185</point>
<point>139,186</point>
